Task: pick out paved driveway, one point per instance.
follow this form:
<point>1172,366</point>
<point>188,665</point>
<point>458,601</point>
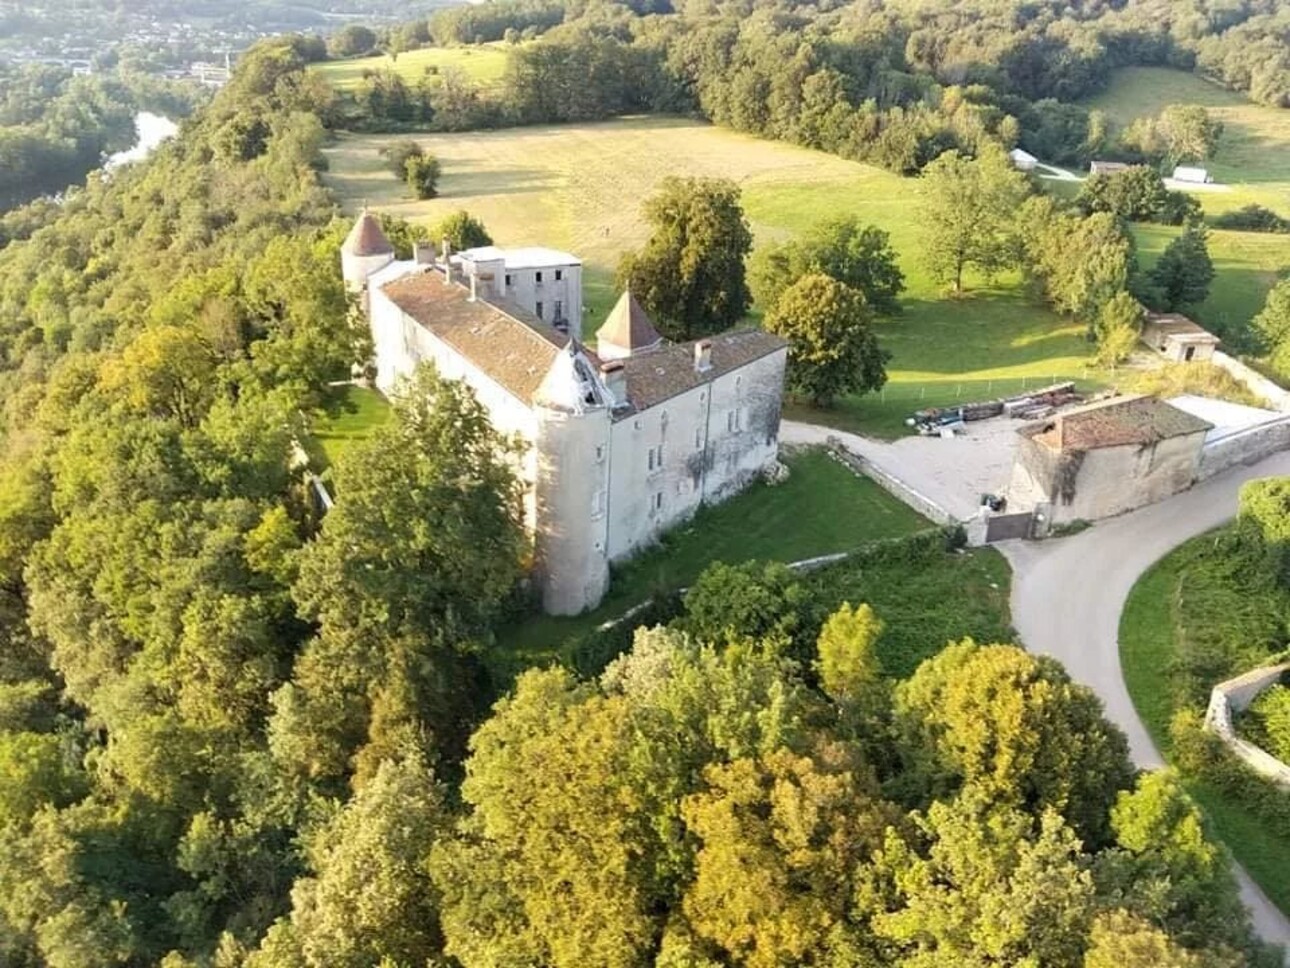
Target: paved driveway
<point>1068,593</point>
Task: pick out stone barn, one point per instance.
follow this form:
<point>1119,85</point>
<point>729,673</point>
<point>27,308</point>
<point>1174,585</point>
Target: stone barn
<point>1105,458</point>
<point>1177,338</point>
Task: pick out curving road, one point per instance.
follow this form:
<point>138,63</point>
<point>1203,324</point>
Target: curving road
<point>1068,593</point>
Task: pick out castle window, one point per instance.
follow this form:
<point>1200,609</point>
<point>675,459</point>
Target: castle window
<point>559,309</point>
<point>559,274</point>
<point>732,420</point>
<point>600,453</point>
<point>598,503</point>
<point>538,277</point>
<point>739,380</point>
<point>508,279</point>
<point>698,439</point>
<point>657,503</point>
<point>539,310</point>
<point>656,457</point>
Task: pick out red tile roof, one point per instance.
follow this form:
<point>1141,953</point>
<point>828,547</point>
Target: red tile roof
<point>367,238</point>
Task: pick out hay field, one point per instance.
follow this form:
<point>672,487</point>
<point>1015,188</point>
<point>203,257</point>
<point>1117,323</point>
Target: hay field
<point>484,63</point>
<point>579,187</point>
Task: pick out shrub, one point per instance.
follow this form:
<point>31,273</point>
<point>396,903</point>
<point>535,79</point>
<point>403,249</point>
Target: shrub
<point>397,153</point>
<point>423,175</point>
<point>1252,218</point>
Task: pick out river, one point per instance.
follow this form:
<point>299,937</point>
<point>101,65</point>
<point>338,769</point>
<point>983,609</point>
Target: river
<point>152,129</point>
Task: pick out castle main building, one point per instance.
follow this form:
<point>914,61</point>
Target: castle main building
<point>622,443</point>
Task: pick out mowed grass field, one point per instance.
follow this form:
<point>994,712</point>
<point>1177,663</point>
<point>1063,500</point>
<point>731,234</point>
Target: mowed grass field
<point>1253,159</point>
<point>484,63</point>
<point>580,187</point>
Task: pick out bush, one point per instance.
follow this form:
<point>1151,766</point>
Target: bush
<point>397,153</point>
<point>1267,721</point>
<point>588,654</point>
<point>1252,218</point>
<point>423,175</point>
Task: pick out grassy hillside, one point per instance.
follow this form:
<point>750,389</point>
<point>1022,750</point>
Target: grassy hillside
<point>484,63</point>
<point>1253,158</point>
<point>579,187</point>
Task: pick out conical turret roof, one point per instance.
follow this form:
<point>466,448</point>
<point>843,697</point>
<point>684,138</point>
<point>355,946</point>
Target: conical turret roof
<point>628,326</point>
<point>367,238</point>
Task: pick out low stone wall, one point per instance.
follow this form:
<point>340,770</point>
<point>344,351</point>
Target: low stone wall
<point>897,488</point>
<point>1254,381</point>
<point>1234,696</point>
<point>1244,447</point>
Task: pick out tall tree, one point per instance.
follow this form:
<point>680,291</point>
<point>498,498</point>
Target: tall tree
<point>968,211</point>
<point>1118,327</point>
<point>832,349</point>
<point>462,230</point>
<point>690,275</point>
<point>1181,277</point>
<point>845,249</point>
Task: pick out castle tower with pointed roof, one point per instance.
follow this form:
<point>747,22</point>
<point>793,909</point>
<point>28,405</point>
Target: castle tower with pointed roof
<point>366,251</point>
<point>627,330</point>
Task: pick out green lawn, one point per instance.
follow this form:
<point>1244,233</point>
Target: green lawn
<point>1253,158</point>
<point>485,63</point>
<point>579,187</point>
<point>822,508</point>
<point>356,412</point>
<point>1149,633</point>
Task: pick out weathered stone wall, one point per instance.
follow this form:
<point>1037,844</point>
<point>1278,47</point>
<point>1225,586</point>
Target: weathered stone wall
<point>1254,381</point>
<point>1244,447</point>
<point>715,440</point>
<point>1234,696</point>
<point>894,486</point>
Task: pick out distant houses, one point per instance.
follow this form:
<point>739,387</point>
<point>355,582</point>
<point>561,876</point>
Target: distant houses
<point>1107,167</point>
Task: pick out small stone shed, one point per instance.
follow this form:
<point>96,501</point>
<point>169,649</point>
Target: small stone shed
<point>1105,458</point>
<point>1177,338</point>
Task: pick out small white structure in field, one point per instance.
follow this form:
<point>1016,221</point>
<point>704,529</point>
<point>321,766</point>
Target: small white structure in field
<point>1193,176</point>
<point>1023,160</point>
<point>1107,167</point>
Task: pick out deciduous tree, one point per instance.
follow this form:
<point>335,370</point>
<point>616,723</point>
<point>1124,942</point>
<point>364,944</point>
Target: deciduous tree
<point>832,348</point>
<point>690,275</point>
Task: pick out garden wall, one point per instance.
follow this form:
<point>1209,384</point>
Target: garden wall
<point>1235,695</point>
<point>897,488</point>
<point>1244,447</point>
<point>1254,381</point>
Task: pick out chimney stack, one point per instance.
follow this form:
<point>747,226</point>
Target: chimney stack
<point>473,292</point>
<point>615,377</point>
<point>447,262</point>
<point>422,253</point>
<point>703,355</point>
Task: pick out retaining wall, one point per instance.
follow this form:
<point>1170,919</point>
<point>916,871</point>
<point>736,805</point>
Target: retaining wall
<point>1233,696</point>
<point>897,488</point>
<point>1244,447</point>
<point>1254,381</point>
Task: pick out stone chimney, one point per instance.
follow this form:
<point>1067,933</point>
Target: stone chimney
<point>615,377</point>
<point>474,293</point>
<point>422,253</point>
<point>447,262</point>
<point>703,356</point>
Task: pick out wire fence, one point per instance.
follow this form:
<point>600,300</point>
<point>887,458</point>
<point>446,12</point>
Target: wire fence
<point>968,391</point>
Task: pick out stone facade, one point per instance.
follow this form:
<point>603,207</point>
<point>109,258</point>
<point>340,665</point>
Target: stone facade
<point>1105,459</point>
<point>615,451</point>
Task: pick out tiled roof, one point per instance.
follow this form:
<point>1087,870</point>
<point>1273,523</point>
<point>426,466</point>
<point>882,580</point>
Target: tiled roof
<point>1114,423</point>
<point>367,238</point>
<point>628,326</point>
<point>511,346</point>
<point>659,374</point>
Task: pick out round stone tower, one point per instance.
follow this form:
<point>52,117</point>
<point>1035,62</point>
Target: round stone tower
<point>366,250</point>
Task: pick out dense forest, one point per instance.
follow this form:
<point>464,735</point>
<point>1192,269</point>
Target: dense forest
<point>894,84</point>
<point>236,733</point>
